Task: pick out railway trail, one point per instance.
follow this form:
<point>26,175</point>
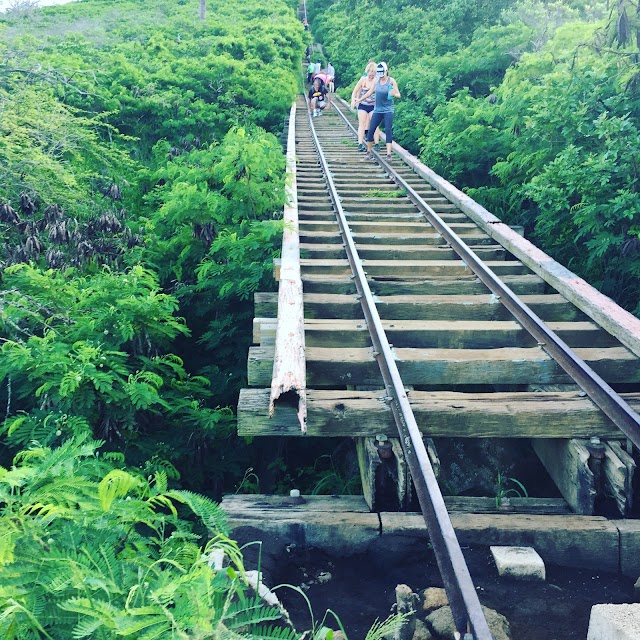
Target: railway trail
<point>408,315</point>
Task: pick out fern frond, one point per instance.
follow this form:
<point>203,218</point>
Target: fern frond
<point>86,627</point>
<point>206,509</point>
<point>149,619</point>
<point>275,633</point>
<point>249,613</point>
<point>13,609</point>
<point>116,484</point>
<point>162,501</point>
<point>388,627</point>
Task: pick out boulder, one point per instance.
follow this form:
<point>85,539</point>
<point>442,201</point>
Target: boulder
<point>421,632</point>
<point>440,624</point>
<point>434,598</point>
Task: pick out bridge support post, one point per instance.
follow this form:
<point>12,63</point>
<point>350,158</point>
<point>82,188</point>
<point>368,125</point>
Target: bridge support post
<point>386,480</point>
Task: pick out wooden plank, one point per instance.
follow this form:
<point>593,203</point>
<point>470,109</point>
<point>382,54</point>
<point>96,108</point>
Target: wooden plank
<point>618,469</point>
<point>414,268</point>
<point>428,237</point>
<point>246,505</point>
<point>456,334</point>
<point>413,228</point>
<point>288,374</point>
<point>327,523</point>
<point>422,307</point>
<point>378,252</point>
<point>438,414</point>
<point>331,367</point>
<point>368,463</point>
<point>566,461</point>
<point>264,331</point>
<point>249,504</point>
<point>468,285</point>
<point>539,506</point>
<point>564,540</point>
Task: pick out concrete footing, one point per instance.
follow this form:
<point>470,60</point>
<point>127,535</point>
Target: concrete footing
<point>614,621</point>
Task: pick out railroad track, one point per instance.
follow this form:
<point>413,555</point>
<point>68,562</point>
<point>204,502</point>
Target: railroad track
<point>389,290</point>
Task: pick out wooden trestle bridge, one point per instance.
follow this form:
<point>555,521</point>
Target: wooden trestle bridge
<point>407,312</point>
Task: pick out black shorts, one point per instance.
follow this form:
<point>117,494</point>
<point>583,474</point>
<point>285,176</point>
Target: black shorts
<point>366,107</point>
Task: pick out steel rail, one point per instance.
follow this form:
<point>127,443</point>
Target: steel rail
<point>461,593</point>
<point>600,393</point>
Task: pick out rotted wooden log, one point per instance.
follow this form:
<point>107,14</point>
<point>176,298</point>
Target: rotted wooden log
<point>289,366</point>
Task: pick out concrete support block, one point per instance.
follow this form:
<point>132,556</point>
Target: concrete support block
<point>619,621</point>
<point>629,546</point>
<point>518,562</point>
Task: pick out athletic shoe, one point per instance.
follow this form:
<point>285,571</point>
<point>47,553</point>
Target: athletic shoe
<point>389,158</point>
<point>361,147</point>
<point>376,147</point>
<point>368,156</point>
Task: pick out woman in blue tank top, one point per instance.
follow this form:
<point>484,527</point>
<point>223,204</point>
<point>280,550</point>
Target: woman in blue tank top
<point>385,89</point>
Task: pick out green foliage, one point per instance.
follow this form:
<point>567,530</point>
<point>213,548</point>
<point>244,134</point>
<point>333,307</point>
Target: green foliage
<point>507,487</point>
<point>92,551</point>
<point>86,354</point>
<point>381,193</point>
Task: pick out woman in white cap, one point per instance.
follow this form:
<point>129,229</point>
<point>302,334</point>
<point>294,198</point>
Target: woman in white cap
<point>385,89</point>
<point>365,109</point>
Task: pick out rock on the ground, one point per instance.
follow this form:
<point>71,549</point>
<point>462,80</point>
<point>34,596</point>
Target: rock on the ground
<point>406,602</point>
<point>421,632</point>
<point>434,598</point>
<point>440,623</point>
<point>619,621</point>
<point>523,563</point>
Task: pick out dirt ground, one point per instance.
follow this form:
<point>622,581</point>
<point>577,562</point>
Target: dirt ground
<point>360,589</point>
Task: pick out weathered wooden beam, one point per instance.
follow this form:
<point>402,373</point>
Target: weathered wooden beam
<point>384,472</point>
<point>567,462</point>
<point>423,307</point>
<point>368,463</point>
<point>412,228</point>
<point>438,334</point>
<point>438,414</point>
<point>618,468</point>
<point>414,268</point>
<point>468,285</point>
<point>288,373</point>
<point>427,237</point>
<point>334,525</point>
<point>331,367</point>
<point>408,252</point>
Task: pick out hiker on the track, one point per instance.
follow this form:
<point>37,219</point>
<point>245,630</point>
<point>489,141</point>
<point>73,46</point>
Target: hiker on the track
<point>385,89</point>
<point>365,108</point>
<point>318,98</point>
<point>331,73</point>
